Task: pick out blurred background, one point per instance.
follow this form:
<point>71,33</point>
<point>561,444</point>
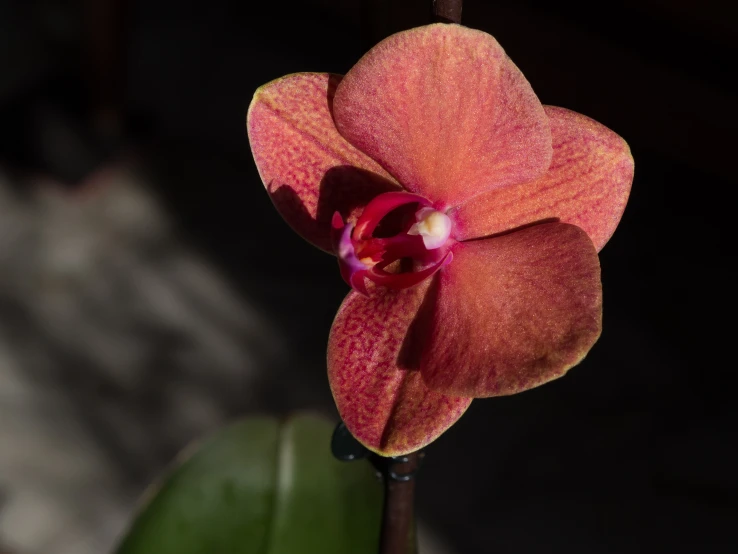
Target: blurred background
<point>149,291</point>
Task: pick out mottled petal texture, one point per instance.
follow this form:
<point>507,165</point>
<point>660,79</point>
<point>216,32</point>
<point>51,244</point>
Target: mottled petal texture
<point>309,170</point>
<point>587,185</point>
<point>446,112</point>
<point>380,395</point>
<point>512,312</point>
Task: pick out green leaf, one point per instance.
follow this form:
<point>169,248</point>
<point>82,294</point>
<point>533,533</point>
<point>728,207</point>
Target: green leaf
<point>262,486</point>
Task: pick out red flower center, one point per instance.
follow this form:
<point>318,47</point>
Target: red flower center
<point>417,247</point>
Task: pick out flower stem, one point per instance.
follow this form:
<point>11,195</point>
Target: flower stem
<point>398,519</point>
<point>447,11</point>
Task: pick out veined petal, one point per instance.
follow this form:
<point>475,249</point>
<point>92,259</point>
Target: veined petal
<point>513,312</point>
<point>587,185</point>
<point>444,110</point>
<point>382,399</point>
<point>309,170</point>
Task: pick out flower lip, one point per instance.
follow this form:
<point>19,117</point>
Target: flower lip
<point>420,242</point>
<point>382,205</point>
<point>346,251</point>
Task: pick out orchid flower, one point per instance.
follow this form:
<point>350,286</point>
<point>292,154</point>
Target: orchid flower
<point>465,215</point>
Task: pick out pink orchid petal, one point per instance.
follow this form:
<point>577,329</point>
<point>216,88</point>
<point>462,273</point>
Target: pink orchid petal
<point>384,404</point>
<point>587,185</point>
<point>444,110</point>
<point>309,170</point>
<point>512,312</point>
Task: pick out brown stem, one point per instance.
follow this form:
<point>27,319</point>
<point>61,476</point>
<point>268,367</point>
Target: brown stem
<point>398,520</point>
<point>447,11</point>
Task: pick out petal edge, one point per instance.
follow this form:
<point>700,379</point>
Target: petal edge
<point>587,185</point>
<point>385,405</point>
<point>446,112</point>
<point>513,312</point>
<point>309,170</point>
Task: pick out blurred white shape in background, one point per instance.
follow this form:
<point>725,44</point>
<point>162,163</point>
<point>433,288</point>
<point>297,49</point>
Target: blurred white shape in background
<point>119,343</point>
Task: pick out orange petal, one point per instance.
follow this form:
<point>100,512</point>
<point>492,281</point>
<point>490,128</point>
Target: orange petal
<point>446,112</point>
<point>309,170</point>
<point>512,312</point>
<point>587,185</point>
<point>382,400</point>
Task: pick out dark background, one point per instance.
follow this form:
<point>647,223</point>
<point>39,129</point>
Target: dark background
<point>635,450</point>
